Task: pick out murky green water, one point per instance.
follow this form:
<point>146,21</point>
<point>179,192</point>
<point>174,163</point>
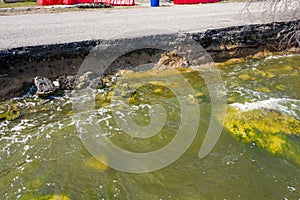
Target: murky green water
<point>42,155</point>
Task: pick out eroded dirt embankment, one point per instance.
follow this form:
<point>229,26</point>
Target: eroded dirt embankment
<point>19,66</point>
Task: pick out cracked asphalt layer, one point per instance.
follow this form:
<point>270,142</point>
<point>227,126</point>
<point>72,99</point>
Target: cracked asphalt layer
<point>56,28</point>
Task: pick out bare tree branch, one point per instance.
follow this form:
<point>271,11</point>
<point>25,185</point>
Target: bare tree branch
<point>271,9</point>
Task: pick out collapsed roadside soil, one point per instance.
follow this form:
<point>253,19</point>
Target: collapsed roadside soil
<point>19,66</point>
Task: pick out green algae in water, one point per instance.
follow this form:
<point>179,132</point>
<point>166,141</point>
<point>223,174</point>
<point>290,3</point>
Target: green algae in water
<point>263,111</point>
<point>256,80</point>
<point>268,129</point>
<point>48,197</point>
<point>9,110</point>
<point>42,156</point>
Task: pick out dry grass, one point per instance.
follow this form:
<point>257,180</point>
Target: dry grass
<point>18,4</point>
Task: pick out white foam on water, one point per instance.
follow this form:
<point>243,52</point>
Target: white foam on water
<point>279,56</point>
<point>286,105</point>
<point>18,128</point>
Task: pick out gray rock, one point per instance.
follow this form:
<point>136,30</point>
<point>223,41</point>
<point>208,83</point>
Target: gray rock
<point>84,80</point>
<point>97,83</point>
<point>45,87</point>
<point>66,82</point>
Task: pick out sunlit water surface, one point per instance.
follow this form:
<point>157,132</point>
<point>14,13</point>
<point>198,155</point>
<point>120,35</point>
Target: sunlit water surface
<point>41,153</point>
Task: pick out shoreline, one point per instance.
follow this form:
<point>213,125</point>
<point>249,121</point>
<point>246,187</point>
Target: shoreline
<point>19,66</point>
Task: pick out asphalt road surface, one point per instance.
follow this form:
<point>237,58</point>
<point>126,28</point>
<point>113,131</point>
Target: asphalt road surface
<point>41,29</point>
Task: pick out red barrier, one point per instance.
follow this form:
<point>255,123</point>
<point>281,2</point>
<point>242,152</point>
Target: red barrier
<point>42,2</point>
<point>71,2</point>
<point>68,2</point>
<point>47,2</point>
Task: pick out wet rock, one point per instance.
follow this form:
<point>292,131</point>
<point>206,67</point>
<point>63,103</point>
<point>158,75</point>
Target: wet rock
<point>9,111</point>
<point>66,82</point>
<point>92,80</point>
<point>84,80</point>
<point>45,87</point>
<point>97,83</point>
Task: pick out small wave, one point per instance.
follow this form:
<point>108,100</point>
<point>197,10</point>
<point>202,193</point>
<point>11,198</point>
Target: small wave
<point>280,56</point>
<point>286,105</point>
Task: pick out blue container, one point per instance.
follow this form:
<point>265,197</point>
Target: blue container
<point>154,3</point>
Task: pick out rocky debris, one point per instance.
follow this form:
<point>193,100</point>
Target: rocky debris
<point>88,79</point>
<point>9,111</point>
<point>171,60</point>
<point>222,44</point>
<point>45,87</point>
<point>94,81</point>
<point>98,83</point>
<point>66,82</point>
<point>84,80</point>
